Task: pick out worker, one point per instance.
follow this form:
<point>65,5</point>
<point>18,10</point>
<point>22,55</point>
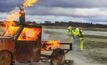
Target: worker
<point>69,33</point>
<point>78,38</point>
<point>78,41</point>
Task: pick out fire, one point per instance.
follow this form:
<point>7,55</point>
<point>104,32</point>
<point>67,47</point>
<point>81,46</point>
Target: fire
<point>13,16</point>
<point>11,31</point>
<point>28,3</point>
<point>29,34</point>
<point>7,24</point>
<point>52,44</point>
<point>10,27</point>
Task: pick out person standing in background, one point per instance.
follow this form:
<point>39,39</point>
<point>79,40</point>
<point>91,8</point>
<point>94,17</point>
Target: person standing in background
<point>78,40</point>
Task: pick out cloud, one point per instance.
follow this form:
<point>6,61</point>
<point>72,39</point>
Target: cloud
<point>68,11</point>
<point>8,5</point>
<point>60,7</point>
<point>53,18</point>
<point>83,10</point>
<point>73,3</point>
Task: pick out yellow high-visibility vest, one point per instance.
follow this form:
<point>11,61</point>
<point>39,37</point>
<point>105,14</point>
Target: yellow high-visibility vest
<point>76,32</point>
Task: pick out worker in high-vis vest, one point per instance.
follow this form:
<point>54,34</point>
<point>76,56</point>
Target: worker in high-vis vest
<point>78,34</point>
<point>69,33</point>
<point>78,40</point>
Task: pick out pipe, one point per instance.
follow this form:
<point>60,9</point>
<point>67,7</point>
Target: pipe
<point>22,17</point>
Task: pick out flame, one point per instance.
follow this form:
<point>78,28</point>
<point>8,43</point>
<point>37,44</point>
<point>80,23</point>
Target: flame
<point>11,31</point>
<point>13,16</point>
<point>10,27</point>
<point>7,24</point>
<point>52,44</point>
<point>29,34</point>
<point>28,3</point>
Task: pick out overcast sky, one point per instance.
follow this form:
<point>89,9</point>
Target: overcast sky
<point>78,8</point>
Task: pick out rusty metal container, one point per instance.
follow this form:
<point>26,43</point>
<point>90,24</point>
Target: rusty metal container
<point>28,50</point>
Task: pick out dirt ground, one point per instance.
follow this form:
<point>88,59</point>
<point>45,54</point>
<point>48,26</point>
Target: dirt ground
<point>95,45</point>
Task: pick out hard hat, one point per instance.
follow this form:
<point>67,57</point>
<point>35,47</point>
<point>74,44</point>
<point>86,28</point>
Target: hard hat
<point>77,29</point>
<point>69,27</point>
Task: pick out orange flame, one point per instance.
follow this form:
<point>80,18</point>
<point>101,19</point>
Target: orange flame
<point>13,15</point>
<point>11,31</point>
<point>10,27</point>
<point>52,44</point>
<point>28,3</point>
<point>29,34</point>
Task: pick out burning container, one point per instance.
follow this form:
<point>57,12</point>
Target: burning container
<point>28,40</point>
<point>7,46</point>
<point>25,45</point>
<point>28,43</point>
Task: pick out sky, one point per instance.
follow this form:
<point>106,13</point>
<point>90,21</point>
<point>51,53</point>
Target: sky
<point>62,10</point>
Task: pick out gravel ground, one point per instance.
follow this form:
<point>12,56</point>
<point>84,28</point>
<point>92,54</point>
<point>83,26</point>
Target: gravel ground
<point>94,52</point>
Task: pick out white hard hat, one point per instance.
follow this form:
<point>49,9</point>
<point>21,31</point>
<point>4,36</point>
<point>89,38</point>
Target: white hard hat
<point>77,29</point>
<point>69,27</point>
